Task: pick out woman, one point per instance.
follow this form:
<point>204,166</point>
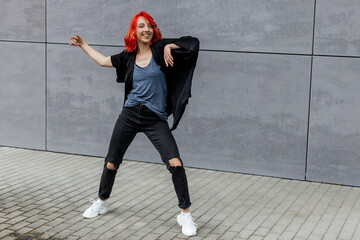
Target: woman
<point>157,73</point>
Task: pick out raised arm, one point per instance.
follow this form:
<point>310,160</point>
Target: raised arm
<point>92,53</point>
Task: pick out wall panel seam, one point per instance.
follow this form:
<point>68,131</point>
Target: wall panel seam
<point>46,88</point>
<point>310,85</point>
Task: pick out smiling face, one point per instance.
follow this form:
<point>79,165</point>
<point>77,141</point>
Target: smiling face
<point>144,31</point>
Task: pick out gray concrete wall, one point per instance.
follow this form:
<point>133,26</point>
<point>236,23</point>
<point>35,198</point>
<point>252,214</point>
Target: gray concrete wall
<point>274,92</point>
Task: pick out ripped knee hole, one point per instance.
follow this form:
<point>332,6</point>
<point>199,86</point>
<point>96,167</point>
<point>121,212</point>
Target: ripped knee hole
<point>175,162</point>
<point>110,166</point>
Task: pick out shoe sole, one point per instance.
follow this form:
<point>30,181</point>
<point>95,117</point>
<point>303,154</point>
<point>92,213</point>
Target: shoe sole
<point>188,235</point>
<point>100,213</point>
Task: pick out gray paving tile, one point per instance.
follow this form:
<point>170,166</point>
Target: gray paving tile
<point>38,203</point>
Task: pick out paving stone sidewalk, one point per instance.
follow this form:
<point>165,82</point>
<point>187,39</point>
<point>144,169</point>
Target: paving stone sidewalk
<point>43,195</point>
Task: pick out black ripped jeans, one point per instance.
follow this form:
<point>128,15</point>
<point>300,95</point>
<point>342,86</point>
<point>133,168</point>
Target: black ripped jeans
<point>141,119</point>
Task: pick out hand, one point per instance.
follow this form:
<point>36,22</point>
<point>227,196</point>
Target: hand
<point>167,56</point>
<point>77,41</point>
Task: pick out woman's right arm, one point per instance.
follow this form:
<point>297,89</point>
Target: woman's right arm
<point>92,53</point>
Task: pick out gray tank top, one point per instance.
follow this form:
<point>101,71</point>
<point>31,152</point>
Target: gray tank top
<point>149,88</point>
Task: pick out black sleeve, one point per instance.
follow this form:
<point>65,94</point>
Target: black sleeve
<point>116,59</point>
<point>179,77</point>
<point>118,62</point>
<point>186,56</point>
<point>186,43</point>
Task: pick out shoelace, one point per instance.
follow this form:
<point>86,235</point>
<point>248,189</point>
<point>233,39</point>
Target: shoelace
<point>191,220</point>
<point>93,204</point>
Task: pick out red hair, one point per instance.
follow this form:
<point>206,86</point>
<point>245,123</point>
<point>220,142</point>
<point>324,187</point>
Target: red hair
<point>130,39</point>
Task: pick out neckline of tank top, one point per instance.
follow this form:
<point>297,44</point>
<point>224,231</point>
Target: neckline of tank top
<point>145,66</point>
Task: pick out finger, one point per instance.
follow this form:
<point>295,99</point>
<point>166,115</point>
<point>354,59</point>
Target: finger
<point>169,60</point>
<point>166,60</point>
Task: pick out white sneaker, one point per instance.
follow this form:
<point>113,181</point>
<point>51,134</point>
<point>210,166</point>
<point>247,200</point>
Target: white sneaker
<point>187,224</point>
<point>96,208</point>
